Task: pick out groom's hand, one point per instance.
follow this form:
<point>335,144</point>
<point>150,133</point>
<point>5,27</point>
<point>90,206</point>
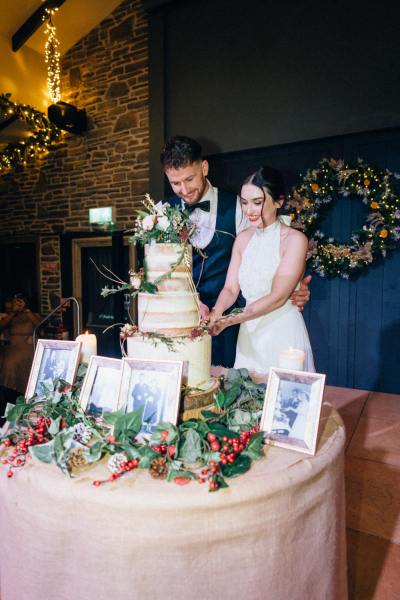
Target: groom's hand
<point>301,296</point>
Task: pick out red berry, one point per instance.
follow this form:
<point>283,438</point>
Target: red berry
<point>4,461</point>
<point>19,461</point>
<point>213,486</point>
<point>215,446</point>
<point>211,437</point>
<point>164,435</point>
<point>171,450</point>
<point>214,469</point>
<point>225,438</point>
<point>200,480</point>
<point>7,442</point>
<point>111,439</point>
<point>10,473</point>
<point>97,483</point>
<point>204,471</point>
<point>182,480</point>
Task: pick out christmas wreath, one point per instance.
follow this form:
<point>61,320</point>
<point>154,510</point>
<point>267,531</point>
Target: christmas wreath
<point>42,135</point>
<point>378,189</point>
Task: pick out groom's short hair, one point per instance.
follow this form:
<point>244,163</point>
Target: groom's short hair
<point>179,152</point>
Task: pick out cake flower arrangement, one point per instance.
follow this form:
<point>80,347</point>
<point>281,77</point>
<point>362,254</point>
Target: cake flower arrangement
<point>211,450</point>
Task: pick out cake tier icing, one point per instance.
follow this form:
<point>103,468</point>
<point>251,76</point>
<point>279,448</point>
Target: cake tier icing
<point>173,313</point>
<point>195,352</point>
<point>161,258</point>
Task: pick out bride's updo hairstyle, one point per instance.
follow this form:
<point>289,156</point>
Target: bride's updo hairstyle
<point>267,178</point>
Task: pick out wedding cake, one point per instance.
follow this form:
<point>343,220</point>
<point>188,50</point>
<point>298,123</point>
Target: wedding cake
<point>169,318</point>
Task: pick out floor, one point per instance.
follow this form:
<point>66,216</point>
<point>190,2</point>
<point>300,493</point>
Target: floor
<point>372,472</point>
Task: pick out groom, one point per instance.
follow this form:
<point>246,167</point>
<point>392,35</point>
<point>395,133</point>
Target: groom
<point>219,218</point>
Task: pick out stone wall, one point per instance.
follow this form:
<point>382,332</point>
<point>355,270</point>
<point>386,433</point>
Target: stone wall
<point>106,74</point>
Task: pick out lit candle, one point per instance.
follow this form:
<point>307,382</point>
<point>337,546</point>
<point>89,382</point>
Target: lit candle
<point>292,359</point>
<point>89,345</point>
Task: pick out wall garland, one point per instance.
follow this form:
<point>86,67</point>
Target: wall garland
<point>378,189</point>
<point>43,134</point>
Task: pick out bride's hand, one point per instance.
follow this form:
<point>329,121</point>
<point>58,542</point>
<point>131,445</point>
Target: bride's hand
<point>204,312</point>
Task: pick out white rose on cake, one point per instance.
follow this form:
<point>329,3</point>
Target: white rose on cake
<point>135,281</point>
<point>163,223</point>
<point>148,223</point>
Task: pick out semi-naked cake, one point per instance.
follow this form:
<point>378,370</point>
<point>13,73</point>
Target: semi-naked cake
<point>172,312</point>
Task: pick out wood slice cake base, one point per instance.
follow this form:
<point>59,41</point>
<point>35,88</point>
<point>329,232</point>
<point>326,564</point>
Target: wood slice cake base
<point>195,401</point>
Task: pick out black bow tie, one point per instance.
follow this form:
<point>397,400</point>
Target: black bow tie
<point>201,205</point>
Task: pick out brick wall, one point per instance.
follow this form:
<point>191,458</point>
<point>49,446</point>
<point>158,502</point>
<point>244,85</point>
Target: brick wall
<point>106,73</point>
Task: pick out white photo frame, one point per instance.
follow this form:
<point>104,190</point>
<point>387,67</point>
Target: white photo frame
<point>53,359</point>
<point>292,409</point>
<point>153,384</point>
<point>100,387</point>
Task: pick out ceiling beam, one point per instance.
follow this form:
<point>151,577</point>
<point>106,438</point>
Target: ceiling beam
<point>33,23</point>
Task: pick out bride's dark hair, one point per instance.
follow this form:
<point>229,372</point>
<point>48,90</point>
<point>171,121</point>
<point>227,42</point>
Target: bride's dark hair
<point>269,178</point>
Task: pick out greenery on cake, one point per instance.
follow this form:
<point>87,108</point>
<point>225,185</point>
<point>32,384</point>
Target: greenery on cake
<point>210,450</point>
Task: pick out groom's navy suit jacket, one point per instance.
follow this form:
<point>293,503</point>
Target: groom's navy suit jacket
<point>209,274</point>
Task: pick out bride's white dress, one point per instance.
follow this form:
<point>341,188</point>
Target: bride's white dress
<point>261,340</point>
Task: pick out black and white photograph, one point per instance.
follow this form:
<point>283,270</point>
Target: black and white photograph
<point>100,387</point>
<point>292,409</point>
<point>153,385</point>
<point>53,360</point>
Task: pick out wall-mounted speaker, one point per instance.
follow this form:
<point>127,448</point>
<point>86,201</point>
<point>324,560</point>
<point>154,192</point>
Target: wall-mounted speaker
<point>67,117</point>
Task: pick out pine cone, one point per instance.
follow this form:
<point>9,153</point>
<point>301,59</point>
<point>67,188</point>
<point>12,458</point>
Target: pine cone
<point>76,458</point>
<point>115,462</point>
<point>82,433</point>
<point>159,468</point>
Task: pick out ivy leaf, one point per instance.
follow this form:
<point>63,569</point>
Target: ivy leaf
<point>111,417</point>
<point>240,417</point>
<point>231,395</point>
<point>254,449</point>
<point>220,430</point>
<point>43,452</point>
<point>241,465</point>
<point>95,451</point>
<point>14,412</point>
<point>190,450</point>
<point>54,426</point>
<point>148,287</point>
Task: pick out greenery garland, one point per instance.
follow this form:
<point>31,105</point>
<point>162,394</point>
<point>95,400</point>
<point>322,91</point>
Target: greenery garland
<point>378,189</point>
<point>43,134</point>
<point>210,450</point>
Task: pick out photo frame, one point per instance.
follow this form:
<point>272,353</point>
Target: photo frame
<point>153,384</point>
<point>100,387</point>
<point>53,359</point>
<point>292,409</point>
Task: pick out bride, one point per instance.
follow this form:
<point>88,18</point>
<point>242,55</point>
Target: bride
<point>267,263</point>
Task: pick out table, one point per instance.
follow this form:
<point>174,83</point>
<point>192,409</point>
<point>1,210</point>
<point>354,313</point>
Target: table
<point>277,533</point>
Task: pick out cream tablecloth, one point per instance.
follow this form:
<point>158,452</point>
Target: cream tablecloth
<point>277,533</point>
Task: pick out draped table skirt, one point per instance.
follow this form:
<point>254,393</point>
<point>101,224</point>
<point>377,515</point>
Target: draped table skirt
<point>278,532</point>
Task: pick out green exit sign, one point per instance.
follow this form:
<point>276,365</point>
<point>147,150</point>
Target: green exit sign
<point>101,215</point>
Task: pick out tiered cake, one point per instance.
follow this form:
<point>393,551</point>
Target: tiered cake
<point>172,313</point>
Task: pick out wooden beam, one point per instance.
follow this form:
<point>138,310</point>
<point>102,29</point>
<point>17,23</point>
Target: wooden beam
<point>33,23</point>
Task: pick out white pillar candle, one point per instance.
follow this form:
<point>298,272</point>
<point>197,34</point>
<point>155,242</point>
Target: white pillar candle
<point>89,346</point>
<point>292,359</point>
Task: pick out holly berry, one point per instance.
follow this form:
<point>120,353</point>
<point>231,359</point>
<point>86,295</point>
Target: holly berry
<point>215,446</point>
<point>164,435</point>
<point>171,450</point>
<point>96,483</point>
<point>211,437</point>
<point>213,485</point>
<point>7,442</point>
<point>200,480</point>
<point>10,474</point>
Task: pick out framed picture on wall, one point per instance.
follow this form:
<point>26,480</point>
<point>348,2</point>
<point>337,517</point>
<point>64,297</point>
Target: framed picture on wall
<point>154,385</point>
<point>292,409</point>
<point>100,387</point>
<point>53,360</point>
